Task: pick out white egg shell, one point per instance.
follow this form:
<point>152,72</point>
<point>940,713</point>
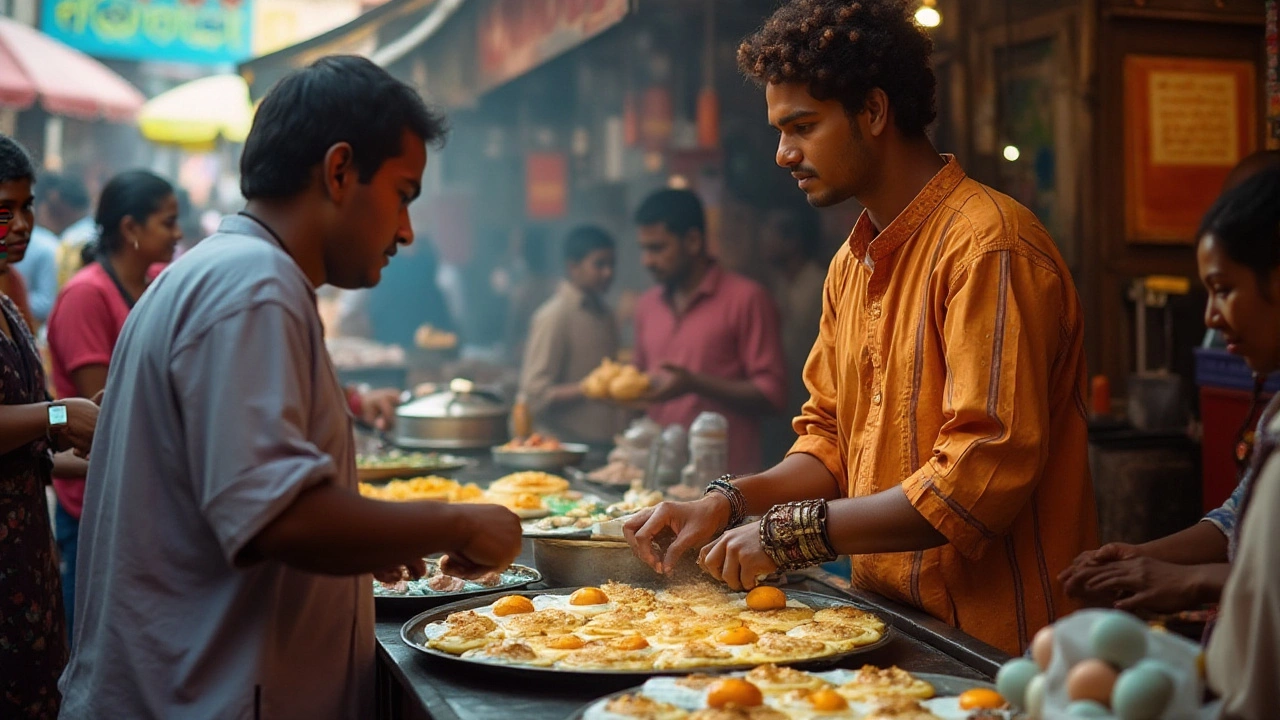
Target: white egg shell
<point>1142,692</point>
<point>1012,679</point>
<point>1120,639</point>
<point>1033,701</point>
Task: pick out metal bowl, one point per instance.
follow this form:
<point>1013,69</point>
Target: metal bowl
<point>543,460</point>
<point>581,563</point>
<point>464,417</point>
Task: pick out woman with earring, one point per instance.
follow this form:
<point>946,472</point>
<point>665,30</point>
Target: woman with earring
<point>138,221</point>
<point>33,640</point>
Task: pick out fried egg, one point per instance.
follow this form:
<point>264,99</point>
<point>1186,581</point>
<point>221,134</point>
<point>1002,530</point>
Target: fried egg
<point>461,632</point>
<point>845,615</point>
<point>775,680</point>
<point>692,655</point>
<point>639,707</point>
<point>561,602</point>
<point>552,621</point>
<point>899,708</point>
<point>776,647</point>
<point>800,705</point>
<point>511,652</point>
<point>762,712</point>
<point>840,638</point>
<point>781,620</point>
<point>617,622</point>
<point>872,682</point>
<point>599,655</point>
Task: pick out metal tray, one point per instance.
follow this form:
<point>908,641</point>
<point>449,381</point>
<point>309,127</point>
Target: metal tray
<point>447,464</point>
<point>514,578</point>
<point>413,636</point>
<point>943,686</point>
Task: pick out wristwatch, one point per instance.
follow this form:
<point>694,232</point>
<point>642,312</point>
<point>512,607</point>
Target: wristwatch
<point>57,416</point>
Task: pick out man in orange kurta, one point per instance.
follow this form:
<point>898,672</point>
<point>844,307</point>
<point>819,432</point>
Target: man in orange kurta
<point>946,428</point>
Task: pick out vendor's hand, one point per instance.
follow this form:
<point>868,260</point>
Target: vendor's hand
<point>410,571</point>
<point>1144,584</point>
<point>737,558</point>
<point>673,382</point>
<point>77,434</point>
<point>378,407</point>
<point>1088,564</point>
<point>489,541</point>
<point>693,524</point>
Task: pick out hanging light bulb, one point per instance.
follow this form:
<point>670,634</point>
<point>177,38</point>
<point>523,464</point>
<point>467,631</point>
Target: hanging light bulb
<point>1012,153</point>
<point>928,15</point>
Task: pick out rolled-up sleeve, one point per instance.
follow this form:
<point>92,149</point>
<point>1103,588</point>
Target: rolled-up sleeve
<point>1224,518</point>
<point>816,428</point>
<point>760,347</point>
<point>246,387</point>
<point>1002,335</point>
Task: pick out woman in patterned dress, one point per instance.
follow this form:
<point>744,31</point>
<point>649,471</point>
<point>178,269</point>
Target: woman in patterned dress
<point>33,642</point>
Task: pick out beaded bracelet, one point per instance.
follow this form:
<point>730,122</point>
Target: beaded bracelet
<point>794,535</point>
<point>737,501</point>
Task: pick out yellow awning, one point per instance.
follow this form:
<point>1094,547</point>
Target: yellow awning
<point>194,115</point>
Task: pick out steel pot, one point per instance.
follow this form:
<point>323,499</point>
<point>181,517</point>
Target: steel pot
<point>463,417</point>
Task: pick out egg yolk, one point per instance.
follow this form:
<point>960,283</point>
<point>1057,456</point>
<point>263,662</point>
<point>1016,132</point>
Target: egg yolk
<point>734,691</point>
<point>567,642</point>
<point>828,700</point>
<point>737,636</point>
<point>766,598</point>
<point>635,642</point>
<point>512,605</point>
<point>981,699</point>
<point>588,596</point>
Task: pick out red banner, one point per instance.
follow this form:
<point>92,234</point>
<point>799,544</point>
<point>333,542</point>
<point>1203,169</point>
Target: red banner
<point>546,186</point>
<point>516,36</point>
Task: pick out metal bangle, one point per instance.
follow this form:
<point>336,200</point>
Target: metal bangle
<point>737,501</point>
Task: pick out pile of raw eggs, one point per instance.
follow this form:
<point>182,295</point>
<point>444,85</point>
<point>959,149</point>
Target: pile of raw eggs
<point>1117,680</point>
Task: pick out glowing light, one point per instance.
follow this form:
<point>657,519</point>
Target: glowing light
<point>678,182</point>
<point>928,15</point>
<point>1012,153</point>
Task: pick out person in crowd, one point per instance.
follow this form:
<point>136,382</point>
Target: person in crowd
<point>790,244</point>
<point>138,215</point>
<point>1189,568</point>
<point>569,337</point>
<point>60,201</point>
<point>944,443</point>
<point>226,552</point>
<point>33,640</point>
<point>1239,260</point>
<point>409,297</point>
<point>79,234</point>
<point>530,281</point>
<point>710,338</point>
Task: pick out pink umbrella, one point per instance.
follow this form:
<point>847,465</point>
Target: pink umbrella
<point>66,81</point>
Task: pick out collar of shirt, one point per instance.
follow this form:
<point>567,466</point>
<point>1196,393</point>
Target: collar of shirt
<point>707,288</point>
<point>579,298</point>
<point>242,225</point>
<point>865,243</point>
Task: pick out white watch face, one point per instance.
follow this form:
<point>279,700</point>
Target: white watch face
<point>57,414</point>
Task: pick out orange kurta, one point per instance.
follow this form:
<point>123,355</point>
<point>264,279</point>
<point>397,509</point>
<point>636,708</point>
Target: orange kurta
<point>950,361</point>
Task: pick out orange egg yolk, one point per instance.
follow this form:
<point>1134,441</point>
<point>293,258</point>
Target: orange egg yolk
<point>828,701</point>
<point>588,596</point>
<point>512,605</point>
<point>734,691</point>
<point>567,642</point>
<point>981,699</point>
<point>766,598</point>
<point>737,636</point>
<point>635,642</point>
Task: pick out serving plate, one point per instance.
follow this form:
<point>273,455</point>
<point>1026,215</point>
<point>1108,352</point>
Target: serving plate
<point>421,597</point>
<point>440,465</point>
<point>943,685</point>
<point>413,634</point>
<point>567,455</point>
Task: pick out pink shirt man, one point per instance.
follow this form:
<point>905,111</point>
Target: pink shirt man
<point>730,330</point>
<point>83,327</point>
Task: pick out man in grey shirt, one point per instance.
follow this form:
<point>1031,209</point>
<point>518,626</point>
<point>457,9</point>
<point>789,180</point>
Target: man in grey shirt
<point>225,552</point>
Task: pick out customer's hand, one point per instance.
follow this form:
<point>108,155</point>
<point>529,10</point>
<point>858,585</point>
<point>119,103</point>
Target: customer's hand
<point>489,541</point>
<point>693,525</point>
<point>77,434</point>
<point>411,570</point>
<point>378,407</point>
<point>738,558</point>
<point>1087,565</point>
<point>1142,584</point>
<point>673,382</point>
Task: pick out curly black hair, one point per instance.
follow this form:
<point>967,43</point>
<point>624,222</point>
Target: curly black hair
<point>843,50</point>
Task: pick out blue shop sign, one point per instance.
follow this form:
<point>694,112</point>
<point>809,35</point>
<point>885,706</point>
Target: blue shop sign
<point>191,31</point>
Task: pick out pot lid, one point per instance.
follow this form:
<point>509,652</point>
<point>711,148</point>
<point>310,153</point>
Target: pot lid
<point>461,400</point>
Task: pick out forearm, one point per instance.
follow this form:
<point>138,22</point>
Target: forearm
<point>69,465</point>
<point>882,523</point>
<point>561,395</point>
<point>1208,581</point>
<point>741,396</point>
<point>22,424</point>
<point>797,477</point>
<point>1200,544</point>
<point>332,531</point>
